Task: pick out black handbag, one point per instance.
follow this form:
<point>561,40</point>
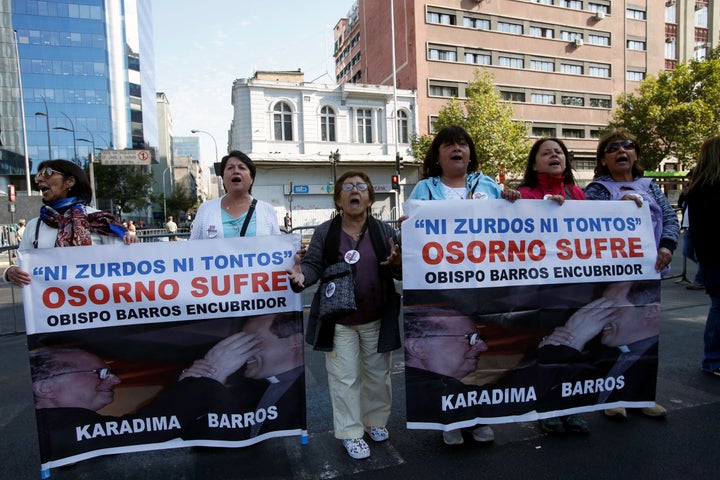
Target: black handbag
<point>337,292</point>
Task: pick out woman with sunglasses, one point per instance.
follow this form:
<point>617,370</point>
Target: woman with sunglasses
<point>237,213</point>
<point>358,345</point>
<point>65,218</point>
<point>619,176</point>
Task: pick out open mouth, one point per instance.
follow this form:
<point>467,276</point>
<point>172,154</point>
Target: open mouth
<point>555,163</point>
<point>355,202</point>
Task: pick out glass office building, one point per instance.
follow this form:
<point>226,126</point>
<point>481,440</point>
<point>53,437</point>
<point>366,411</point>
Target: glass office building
<point>87,72</point>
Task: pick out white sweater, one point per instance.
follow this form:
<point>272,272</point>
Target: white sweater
<point>208,220</point>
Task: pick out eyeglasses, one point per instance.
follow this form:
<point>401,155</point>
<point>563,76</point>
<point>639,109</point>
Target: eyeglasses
<point>361,187</point>
<point>46,173</point>
<point>625,144</point>
<point>472,338</point>
<point>102,373</point>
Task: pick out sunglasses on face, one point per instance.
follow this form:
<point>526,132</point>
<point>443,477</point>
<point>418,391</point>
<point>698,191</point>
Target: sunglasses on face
<point>102,373</point>
<point>360,187</point>
<point>46,173</point>
<point>625,144</point>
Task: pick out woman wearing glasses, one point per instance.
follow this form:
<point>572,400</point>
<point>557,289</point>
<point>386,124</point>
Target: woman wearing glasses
<point>237,213</point>
<point>358,345</point>
<point>65,218</point>
<point>619,176</point>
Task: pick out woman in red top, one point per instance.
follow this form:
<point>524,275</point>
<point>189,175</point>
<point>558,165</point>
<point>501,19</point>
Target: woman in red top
<point>548,174</point>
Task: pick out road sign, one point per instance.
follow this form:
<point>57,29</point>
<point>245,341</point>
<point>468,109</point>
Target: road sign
<point>301,189</point>
<point>125,157</point>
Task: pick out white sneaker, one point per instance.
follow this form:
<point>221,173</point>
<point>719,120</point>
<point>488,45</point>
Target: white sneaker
<point>357,448</point>
<point>483,434</point>
<point>378,434</point>
<point>453,437</point>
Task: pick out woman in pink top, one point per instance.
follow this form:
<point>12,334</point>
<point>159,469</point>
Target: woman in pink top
<point>548,174</point>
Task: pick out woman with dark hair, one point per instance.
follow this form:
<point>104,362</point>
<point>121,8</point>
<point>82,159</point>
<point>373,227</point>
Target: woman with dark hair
<point>548,174</point>
<point>450,171</point>
<point>358,345</point>
<point>702,198</point>
<point>619,176</point>
<point>65,218</point>
<point>237,213</point>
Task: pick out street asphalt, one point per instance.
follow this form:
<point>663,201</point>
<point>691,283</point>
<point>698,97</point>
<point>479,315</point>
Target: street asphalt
<point>677,447</point>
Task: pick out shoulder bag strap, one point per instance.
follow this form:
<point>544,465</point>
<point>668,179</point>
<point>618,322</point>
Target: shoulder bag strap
<point>248,217</point>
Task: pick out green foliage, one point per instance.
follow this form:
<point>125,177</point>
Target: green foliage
<point>180,201</point>
<point>673,113</point>
<point>499,140</point>
<point>128,186</point>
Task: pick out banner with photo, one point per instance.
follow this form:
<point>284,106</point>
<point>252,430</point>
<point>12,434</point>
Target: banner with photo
<point>163,345</point>
<point>527,310</point>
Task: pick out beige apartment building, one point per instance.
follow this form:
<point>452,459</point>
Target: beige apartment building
<point>561,63</point>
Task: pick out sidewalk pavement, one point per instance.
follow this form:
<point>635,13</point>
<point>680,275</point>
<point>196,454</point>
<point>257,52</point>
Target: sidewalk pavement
<point>678,447</point>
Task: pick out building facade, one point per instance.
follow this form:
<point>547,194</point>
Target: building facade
<point>692,28</point>
<point>302,136</point>
<point>561,63</point>
<point>87,72</point>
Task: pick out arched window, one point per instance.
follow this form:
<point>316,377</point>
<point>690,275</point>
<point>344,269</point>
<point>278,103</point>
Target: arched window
<point>282,120</point>
<point>327,124</point>
<point>402,127</point>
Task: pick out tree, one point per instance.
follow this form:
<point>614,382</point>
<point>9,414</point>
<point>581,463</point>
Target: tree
<point>127,186</point>
<point>499,140</point>
<point>673,113</point>
<point>180,201</point>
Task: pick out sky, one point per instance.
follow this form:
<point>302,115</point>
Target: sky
<point>201,47</point>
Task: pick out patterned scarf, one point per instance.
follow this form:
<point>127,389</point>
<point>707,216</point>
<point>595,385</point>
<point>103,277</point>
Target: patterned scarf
<point>74,225</point>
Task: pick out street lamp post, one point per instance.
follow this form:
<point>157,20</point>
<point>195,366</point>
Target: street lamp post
<point>75,159</point>
<point>46,114</point>
<point>217,160</point>
<point>334,158</point>
<point>165,193</point>
<point>91,168</point>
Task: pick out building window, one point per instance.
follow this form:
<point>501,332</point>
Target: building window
<point>364,125</point>
<point>600,102</point>
<point>574,4</point>
<point>670,49</point>
<point>512,96</point>
<point>282,120</point>
<point>442,18</point>
<point>571,68</point>
<point>543,132</point>
<point>569,36</point>
<point>477,58</point>
<point>634,76</point>
<point>433,123</point>
<point>603,72</point>
<point>636,45</point>
<point>506,27</point>
<point>602,40</point>
<point>511,62</point>
<point>402,126</point>
<point>542,98</point>
<point>635,14</point>
<point>542,32</point>
<point>477,23</point>
<point>444,55</point>
<point>327,124</point>
<point>443,91</point>
<point>670,13</point>
<point>596,7</point>
<point>544,2</point>
<point>573,133</point>
<point>573,100</point>
<point>701,15</point>
<point>542,65</point>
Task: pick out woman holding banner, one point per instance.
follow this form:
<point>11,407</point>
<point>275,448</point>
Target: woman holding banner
<point>65,218</point>
<point>359,344</point>
<point>549,176</point>
<point>619,176</point>
<point>237,213</point>
<point>450,173</point>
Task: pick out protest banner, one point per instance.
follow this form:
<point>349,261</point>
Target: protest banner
<point>152,346</point>
<point>527,310</point>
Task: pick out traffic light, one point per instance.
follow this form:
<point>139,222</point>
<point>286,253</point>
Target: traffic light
<point>395,181</point>
<point>11,192</point>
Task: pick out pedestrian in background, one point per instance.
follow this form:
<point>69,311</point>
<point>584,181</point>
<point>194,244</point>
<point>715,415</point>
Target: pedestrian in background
<point>358,345</point>
<point>702,199</point>
<point>688,247</point>
<point>171,228</point>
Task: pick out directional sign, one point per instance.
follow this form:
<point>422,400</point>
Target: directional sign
<point>301,189</point>
<point>125,157</point>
